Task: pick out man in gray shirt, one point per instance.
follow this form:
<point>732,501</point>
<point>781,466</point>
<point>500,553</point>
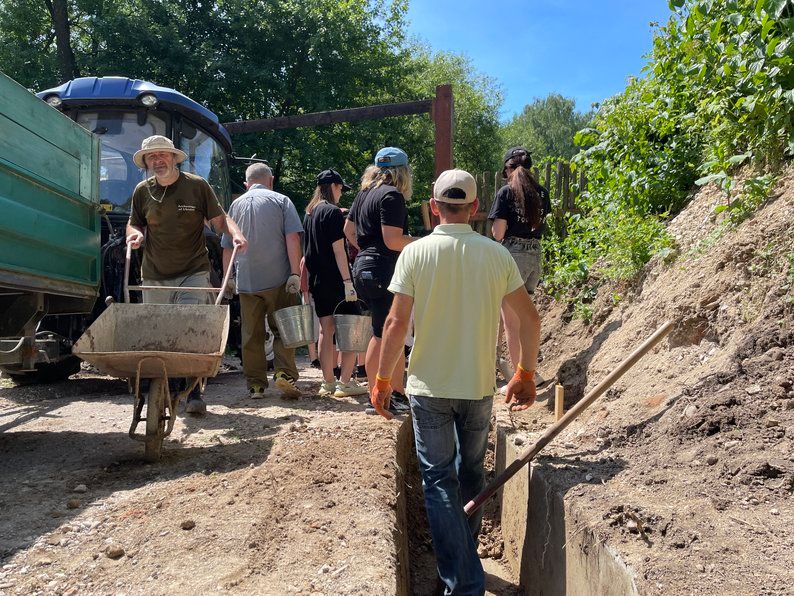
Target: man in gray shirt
<point>267,276</point>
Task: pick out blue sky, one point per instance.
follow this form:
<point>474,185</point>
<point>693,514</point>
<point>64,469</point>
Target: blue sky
<point>583,49</point>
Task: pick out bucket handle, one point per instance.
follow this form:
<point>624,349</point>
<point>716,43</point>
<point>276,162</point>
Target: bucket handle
<point>365,309</point>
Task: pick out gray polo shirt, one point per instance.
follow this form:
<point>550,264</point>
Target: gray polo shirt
<point>264,217</point>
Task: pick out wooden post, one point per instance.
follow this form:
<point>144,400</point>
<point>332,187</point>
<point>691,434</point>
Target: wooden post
<point>425,208</point>
<point>566,187</point>
<point>547,182</point>
<point>558,184</point>
<point>559,402</point>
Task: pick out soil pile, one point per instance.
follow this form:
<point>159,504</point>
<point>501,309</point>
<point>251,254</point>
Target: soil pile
<point>686,466</point>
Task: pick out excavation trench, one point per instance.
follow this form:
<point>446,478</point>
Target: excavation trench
<point>548,547</point>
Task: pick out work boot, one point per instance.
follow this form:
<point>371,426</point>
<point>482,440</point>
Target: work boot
<point>194,404</point>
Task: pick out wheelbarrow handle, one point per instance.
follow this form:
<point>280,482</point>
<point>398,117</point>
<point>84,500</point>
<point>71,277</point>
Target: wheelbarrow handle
<point>127,260</point>
<point>226,276</point>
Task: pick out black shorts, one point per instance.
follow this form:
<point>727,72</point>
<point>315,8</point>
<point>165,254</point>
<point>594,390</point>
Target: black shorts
<point>326,295</point>
<point>371,287</point>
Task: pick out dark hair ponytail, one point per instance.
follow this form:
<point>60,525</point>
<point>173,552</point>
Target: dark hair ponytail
<point>526,194</point>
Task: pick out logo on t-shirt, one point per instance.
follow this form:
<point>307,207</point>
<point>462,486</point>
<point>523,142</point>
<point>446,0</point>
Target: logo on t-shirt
<point>186,208</point>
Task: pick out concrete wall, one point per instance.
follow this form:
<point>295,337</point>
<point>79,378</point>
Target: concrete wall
<point>548,546</point>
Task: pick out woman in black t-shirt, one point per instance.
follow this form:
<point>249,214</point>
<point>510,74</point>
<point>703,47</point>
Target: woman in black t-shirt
<point>518,219</point>
<point>377,225</point>
<point>329,277</point>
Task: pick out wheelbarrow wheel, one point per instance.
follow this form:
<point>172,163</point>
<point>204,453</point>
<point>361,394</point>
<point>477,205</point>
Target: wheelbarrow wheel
<point>155,419</point>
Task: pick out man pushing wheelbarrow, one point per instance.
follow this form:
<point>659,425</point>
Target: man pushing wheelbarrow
<point>178,332</point>
<point>170,209</point>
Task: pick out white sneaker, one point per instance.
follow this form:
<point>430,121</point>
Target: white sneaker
<point>349,389</point>
<point>327,389</point>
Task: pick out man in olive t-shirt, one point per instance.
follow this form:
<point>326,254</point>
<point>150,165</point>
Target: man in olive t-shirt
<point>171,208</point>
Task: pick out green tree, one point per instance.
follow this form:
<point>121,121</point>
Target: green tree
<point>546,127</point>
<point>266,58</point>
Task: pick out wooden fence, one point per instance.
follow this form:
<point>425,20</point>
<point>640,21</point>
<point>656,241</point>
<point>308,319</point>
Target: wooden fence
<point>562,184</point>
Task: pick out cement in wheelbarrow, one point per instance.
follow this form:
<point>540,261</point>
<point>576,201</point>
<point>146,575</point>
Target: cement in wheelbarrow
<point>189,338</point>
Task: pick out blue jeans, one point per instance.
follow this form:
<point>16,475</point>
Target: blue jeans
<point>451,440</point>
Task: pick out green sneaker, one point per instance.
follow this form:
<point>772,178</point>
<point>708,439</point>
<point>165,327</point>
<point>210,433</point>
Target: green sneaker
<point>256,392</point>
<point>287,385</point>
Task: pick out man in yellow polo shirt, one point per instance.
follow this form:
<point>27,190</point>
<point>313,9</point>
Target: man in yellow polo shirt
<point>455,281</point>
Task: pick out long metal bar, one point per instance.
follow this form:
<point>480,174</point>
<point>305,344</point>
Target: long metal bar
<point>127,260</point>
<point>219,291</point>
<point>330,117</point>
<point>574,412</point>
<point>176,288</point>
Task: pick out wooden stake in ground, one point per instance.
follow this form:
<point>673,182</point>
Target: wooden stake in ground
<point>574,412</point>
<point>559,402</point>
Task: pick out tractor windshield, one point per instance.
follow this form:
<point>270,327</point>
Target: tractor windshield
<point>121,133</point>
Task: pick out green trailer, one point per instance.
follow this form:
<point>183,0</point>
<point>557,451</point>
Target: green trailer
<point>49,229</point>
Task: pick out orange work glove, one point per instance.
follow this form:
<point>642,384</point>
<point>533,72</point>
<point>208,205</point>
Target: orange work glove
<point>380,396</point>
<point>520,393</point>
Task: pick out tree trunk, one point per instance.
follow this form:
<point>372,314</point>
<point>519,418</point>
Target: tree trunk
<point>60,22</point>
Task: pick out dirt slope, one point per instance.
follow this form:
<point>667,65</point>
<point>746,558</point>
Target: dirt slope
<point>697,440</point>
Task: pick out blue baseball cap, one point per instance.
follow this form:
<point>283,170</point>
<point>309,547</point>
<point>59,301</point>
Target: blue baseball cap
<point>390,157</point>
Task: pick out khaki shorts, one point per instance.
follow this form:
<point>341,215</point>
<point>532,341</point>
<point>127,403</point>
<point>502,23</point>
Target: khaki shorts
<point>527,255</point>
<point>196,280</point>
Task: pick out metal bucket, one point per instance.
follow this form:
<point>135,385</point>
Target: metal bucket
<point>353,332</point>
<point>296,325</point>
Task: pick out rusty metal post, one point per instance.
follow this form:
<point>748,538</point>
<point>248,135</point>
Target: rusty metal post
<point>443,112</point>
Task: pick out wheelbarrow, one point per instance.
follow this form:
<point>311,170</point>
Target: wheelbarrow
<point>157,342</point>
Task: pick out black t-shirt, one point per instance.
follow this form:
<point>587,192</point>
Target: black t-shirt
<point>323,227</point>
<point>504,207</point>
<point>371,209</point>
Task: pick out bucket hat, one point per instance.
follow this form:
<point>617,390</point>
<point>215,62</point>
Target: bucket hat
<point>154,144</point>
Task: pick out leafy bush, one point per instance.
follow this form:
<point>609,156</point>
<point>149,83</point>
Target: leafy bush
<point>717,94</point>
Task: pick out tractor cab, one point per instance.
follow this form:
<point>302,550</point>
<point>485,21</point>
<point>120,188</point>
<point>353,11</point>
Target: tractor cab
<point>123,112</point>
